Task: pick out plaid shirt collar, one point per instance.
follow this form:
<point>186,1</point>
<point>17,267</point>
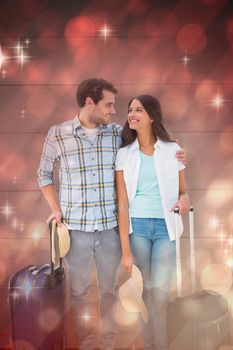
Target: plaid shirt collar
<point>77,125</point>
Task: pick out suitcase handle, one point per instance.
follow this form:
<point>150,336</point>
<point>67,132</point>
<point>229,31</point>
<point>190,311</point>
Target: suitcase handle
<point>52,265</point>
<point>192,253</point>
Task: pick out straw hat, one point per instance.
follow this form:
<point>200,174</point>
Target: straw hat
<point>60,240</point>
<point>130,294</point>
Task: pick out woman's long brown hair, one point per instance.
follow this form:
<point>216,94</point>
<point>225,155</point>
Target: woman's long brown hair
<point>153,108</point>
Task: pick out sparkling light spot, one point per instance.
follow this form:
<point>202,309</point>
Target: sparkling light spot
<point>86,317</point>
<point>18,48</point>
<point>214,222</point>
<point>22,58</point>
<point>2,57</point>
<point>7,210</point>
<point>105,31</point>
<point>27,42</point>
<point>186,60</point>
<point>27,287</point>
<point>217,101</point>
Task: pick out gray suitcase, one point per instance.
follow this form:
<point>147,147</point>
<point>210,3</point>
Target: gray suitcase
<point>37,307</point>
<point>202,320</point>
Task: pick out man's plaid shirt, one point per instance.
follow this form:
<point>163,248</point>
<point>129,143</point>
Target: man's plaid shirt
<point>86,173</point>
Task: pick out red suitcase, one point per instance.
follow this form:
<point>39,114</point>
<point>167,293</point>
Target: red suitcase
<point>202,320</point>
<point>37,307</point>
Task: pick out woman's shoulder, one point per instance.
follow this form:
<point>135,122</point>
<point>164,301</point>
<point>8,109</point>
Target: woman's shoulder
<point>170,145</point>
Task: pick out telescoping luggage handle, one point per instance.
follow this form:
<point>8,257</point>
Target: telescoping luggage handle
<point>192,253</point>
<point>53,226</point>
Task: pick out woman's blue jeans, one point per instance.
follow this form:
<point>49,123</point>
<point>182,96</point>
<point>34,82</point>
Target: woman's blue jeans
<point>155,256</point>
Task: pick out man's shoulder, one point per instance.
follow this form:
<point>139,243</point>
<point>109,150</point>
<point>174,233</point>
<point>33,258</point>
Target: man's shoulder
<point>64,127</point>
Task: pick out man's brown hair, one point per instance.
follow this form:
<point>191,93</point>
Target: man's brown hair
<point>93,88</point>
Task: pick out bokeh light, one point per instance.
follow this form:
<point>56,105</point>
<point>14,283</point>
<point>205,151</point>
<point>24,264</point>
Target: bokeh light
<point>47,24</point>
<point>143,36</point>
<point>80,31</point>
<point>174,104</point>
<point>217,277</point>
<point>191,39</point>
<point>177,75</point>
<point>218,192</point>
<point>165,20</point>
<point>37,72</point>
<point>206,91</point>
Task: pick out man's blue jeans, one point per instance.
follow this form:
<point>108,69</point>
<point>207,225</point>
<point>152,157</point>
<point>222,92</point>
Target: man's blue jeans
<point>155,256</point>
<point>103,247</point>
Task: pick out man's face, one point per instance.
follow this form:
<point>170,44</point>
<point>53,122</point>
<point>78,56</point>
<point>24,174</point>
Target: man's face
<point>104,109</point>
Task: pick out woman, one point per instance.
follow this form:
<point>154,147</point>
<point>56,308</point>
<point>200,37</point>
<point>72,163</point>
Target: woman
<point>150,184</point>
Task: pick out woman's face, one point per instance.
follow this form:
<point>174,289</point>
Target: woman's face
<point>138,118</point>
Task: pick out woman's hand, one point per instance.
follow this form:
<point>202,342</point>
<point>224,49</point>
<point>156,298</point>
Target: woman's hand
<point>182,204</point>
<point>127,262</point>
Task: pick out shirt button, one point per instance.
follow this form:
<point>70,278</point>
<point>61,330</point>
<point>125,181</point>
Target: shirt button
<point>93,174</point>
<point>92,158</point>
<point>95,189</point>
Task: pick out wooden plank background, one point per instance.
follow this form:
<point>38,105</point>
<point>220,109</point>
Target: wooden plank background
<point>141,54</point>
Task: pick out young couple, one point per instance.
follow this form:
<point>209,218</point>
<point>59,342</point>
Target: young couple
<point>146,166</point>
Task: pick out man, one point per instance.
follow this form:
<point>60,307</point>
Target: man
<point>86,148</point>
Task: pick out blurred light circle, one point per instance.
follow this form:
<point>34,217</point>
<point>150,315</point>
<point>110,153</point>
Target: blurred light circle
<point>174,104</point>
<point>37,73</point>
<point>36,230</point>
<point>165,20</point>
<point>217,277</point>
<point>86,52</point>
<point>136,8</point>
<point>47,24</point>
<point>140,80</point>
<point>191,38</point>
<point>13,165</point>
<point>218,192</point>
<point>143,36</point>
<point>206,91</point>
<point>41,103</point>
<point>177,75</point>
<point>80,31</point>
